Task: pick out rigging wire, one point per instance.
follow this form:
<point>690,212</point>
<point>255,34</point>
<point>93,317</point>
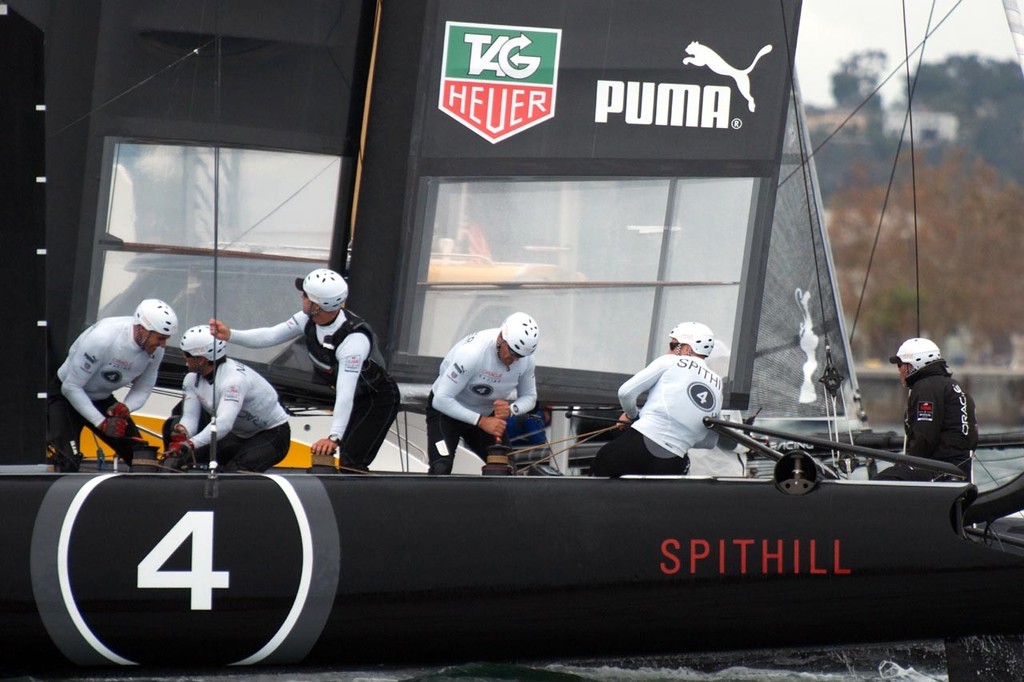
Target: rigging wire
<point>86,115</point>
<point>888,190</point>
<point>908,124</point>
<point>216,225</point>
<point>878,233</point>
<point>831,379</point>
<point>281,204</point>
<point>812,212</point>
<point>869,96</point>
<point>913,164</point>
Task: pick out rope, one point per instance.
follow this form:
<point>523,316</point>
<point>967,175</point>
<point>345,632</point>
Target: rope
<point>587,435</point>
<point>580,439</point>
<point>158,465</point>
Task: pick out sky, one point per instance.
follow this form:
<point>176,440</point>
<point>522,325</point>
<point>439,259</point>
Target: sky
<point>832,30</point>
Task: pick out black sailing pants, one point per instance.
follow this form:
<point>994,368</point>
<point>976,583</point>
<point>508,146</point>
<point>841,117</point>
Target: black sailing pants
<point>628,454</point>
<point>373,412</point>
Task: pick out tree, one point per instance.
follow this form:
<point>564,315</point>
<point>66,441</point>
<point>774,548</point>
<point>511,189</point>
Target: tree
<point>955,253</point>
<point>856,79</point>
<point>986,96</point>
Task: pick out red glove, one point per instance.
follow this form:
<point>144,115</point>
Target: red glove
<point>178,434</point>
<point>113,427</point>
<point>179,454</point>
<point>118,410</point>
<point>181,447</point>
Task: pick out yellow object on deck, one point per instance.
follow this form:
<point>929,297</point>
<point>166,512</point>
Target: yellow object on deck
<point>298,456</point>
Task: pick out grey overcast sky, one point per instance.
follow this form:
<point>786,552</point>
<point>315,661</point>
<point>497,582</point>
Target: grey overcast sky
<point>831,30</point>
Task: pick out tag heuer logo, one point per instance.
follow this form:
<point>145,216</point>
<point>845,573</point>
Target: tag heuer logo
<point>499,80</point>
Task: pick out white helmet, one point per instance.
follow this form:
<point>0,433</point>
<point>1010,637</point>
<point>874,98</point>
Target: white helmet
<point>917,353</point>
<point>324,287</point>
<point>697,336</point>
<point>520,333</point>
<point>156,316</point>
<point>198,341</point>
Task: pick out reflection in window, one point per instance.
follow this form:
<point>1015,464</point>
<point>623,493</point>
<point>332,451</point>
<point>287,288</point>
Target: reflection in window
<point>607,267</point>
<point>274,222</point>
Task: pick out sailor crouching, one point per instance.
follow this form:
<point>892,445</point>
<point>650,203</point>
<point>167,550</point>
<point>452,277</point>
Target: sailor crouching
<point>681,391</point>
<point>256,433</point>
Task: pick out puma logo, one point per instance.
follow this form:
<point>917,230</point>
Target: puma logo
<point>702,55</point>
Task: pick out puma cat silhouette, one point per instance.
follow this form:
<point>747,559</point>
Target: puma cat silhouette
<point>702,55</point>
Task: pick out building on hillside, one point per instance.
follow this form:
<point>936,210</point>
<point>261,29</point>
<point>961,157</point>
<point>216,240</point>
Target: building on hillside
<point>828,120</point>
<point>930,127</point>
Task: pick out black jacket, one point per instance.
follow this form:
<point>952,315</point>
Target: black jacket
<point>939,422</point>
<point>372,375</point>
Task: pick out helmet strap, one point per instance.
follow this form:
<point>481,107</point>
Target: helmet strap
<point>326,316</point>
<point>138,336</point>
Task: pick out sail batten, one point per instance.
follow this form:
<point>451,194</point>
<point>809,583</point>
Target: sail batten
<point>1015,18</point>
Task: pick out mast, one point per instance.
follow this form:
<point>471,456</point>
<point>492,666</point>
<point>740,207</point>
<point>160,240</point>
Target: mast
<point>22,407</point>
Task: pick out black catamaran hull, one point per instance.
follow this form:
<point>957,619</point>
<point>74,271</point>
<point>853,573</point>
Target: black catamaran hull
<point>188,571</point>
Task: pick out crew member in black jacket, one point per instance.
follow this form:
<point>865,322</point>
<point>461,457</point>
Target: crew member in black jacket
<point>346,355</point>
<point>939,422</point>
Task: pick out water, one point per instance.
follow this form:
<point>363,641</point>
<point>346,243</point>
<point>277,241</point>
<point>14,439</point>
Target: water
<point>907,662</point>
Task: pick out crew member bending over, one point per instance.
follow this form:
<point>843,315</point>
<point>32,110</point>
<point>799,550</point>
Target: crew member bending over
<point>681,391</point>
<point>111,354</point>
<point>470,397</point>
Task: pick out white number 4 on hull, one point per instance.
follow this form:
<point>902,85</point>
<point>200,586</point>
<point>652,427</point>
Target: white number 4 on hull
<point>201,580</point>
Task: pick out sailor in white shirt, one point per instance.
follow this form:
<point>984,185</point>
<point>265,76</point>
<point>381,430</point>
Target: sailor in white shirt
<point>472,396</point>
<point>346,355</point>
<point>681,390</point>
<point>252,427</point>
<point>111,354</point>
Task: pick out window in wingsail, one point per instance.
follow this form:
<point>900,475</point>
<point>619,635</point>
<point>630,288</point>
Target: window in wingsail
<point>156,233</point>
<point>610,264</point>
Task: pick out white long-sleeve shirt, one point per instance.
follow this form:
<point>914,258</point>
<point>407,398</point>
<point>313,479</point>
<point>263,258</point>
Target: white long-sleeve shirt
<point>351,354</point>
<point>103,359</point>
<point>681,391</point>
<point>472,377</point>
<point>246,402</point>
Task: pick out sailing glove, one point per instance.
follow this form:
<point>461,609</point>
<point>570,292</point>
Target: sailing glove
<point>113,427</point>
<point>178,434</point>
<point>181,447</point>
<point>116,423</point>
<point>118,410</point>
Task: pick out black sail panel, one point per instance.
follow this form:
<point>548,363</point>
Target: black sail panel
<point>609,169</point>
<point>801,328</point>
<point>201,154</point>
